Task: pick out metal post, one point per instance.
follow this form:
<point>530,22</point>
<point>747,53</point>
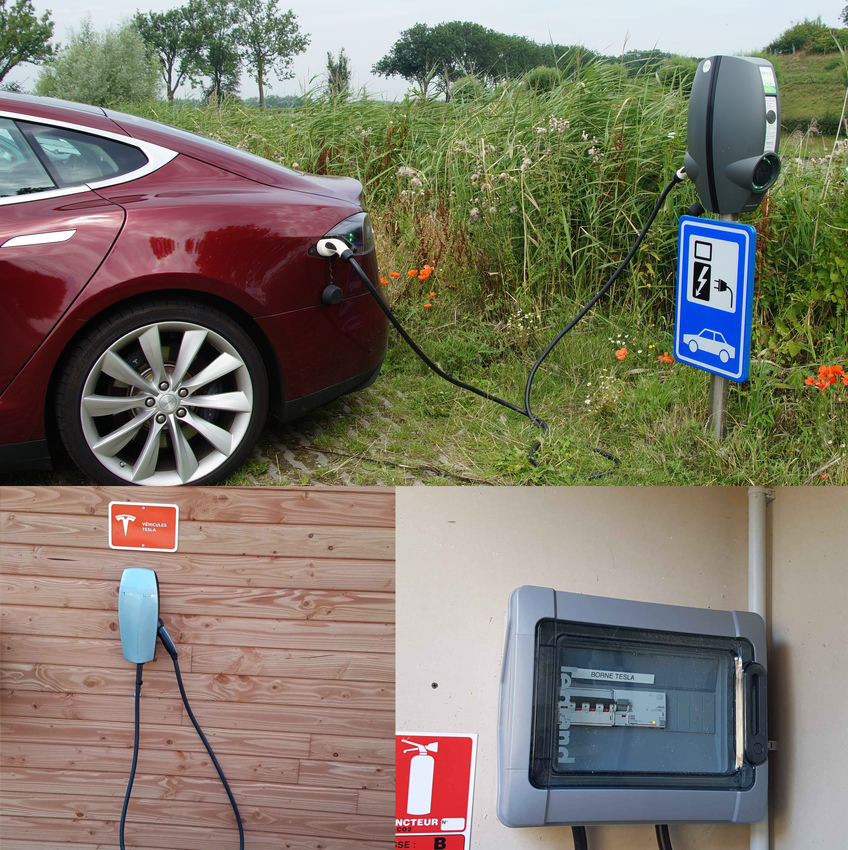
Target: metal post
<point>718,406</point>
<point>758,498</point>
<point>718,383</point>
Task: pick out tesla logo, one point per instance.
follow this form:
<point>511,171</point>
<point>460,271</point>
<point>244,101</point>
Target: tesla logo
<point>125,520</point>
<point>143,526</point>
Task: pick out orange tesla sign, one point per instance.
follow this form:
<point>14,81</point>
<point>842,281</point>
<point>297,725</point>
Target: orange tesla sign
<point>149,528</point>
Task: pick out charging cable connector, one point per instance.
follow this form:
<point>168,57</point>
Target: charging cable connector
<point>334,248</point>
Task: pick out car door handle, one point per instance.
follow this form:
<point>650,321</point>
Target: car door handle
<point>38,238</point>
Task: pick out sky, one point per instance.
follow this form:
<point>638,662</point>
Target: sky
<point>367,28</point>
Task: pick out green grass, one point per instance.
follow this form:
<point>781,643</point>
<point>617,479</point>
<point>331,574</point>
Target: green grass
<point>812,86</point>
<point>411,427</point>
<point>524,204</point>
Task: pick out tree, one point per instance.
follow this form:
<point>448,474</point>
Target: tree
<point>23,36</point>
<point>813,36</point>
<point>269,40</point>
<point>338,76</point>
<point>219,56</point>
<point>104,69</point>
<point>414,56</point>
<point>174,37</point>
<point>844,16</point>
<point>444,53</point>
<point>643,61</point>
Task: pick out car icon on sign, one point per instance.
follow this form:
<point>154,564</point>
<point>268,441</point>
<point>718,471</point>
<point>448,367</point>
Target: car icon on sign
<point>712,342</point>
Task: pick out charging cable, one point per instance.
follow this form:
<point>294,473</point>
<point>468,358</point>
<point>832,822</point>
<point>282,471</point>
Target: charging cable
<point>171,649</point>
<point>581,842</point>
<point>663,838</point>
<point>333,247</point>
<point>679,177</point>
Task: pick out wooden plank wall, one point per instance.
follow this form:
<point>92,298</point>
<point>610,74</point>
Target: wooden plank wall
<point>281,602</point>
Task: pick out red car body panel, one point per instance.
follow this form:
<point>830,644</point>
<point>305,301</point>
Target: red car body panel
<point>193,225</point>
<point>238,162</point>
<point>41,281</point>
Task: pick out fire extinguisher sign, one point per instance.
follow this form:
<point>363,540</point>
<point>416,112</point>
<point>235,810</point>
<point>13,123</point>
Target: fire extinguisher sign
<point>434,790</point>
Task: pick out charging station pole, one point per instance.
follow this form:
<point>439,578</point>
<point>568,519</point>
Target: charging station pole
<point>717,419</point>
<point>733,138</point>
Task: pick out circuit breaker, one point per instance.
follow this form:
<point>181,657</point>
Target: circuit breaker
<point>617,711</point>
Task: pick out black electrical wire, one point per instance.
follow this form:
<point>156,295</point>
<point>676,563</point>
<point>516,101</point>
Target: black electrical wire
<point>172,651</point>
<point>578,833</point>
<point>168,643</point>
<point>527,410</point>
<point>528,387</point>
<point>663,837</point>
<point>138,669</point>
<point>414,346</point>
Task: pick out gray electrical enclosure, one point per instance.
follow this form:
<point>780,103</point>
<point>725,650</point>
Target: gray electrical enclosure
<point>614,711</point>
<point>138,613</point>
<point>733,132</point>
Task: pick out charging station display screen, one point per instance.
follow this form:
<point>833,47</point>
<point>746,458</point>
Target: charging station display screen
<point>628,707</point>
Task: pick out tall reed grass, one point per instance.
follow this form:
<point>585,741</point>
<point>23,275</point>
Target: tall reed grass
<point>526,201</point>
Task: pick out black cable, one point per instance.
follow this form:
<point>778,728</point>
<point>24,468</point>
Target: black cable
<point>578,833</point>
<point>168,643</point>
<point>138,669</point>
<point>663,837</point>
<point>527,410</point>
<point>528,387</point>
<point>414,346</point>
<point>172,651</point>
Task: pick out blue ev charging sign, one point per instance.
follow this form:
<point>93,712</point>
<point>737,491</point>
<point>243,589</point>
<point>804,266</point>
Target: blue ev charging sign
<point>715,296</point>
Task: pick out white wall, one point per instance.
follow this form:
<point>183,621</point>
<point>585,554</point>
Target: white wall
<point>461,551</point>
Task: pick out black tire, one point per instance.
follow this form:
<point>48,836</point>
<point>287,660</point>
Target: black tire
<point>88,351</point>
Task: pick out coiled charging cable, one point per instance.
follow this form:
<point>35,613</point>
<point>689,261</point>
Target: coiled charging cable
<point>339,248</point>
<point>168,643</point>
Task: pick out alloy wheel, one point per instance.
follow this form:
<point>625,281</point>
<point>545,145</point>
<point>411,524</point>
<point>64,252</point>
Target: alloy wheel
<point>166,404</point>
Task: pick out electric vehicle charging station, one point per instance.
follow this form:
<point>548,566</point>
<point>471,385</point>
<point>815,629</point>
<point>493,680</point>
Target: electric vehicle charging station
<point>732,158</point>
<point>613,711</point>
<point>734,135</point>
<point>139,626</point>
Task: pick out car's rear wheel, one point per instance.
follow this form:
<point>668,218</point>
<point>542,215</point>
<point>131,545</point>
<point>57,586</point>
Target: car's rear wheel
<point>163,393</point>
<point>693,346</point>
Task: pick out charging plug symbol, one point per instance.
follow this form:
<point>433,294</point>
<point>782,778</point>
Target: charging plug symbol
<point>724,286</point>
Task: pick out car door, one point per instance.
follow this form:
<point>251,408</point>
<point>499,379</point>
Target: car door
<point>54,233</point>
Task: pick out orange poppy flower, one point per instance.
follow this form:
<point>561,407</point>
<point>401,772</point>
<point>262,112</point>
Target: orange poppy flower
<point>394,274</point>
<point>428,305</point>
<point>621,353</point>
<point>666,357</point>
<point>412,272</point>
<point>828,375</point>
<point>432,294</point>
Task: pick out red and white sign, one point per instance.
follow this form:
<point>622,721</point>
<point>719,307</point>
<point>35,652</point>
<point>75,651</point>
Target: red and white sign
<point>434,790</point>
<point>144,527</point>
<point>430,842</point>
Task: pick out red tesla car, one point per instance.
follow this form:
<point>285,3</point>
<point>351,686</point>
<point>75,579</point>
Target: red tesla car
<point>161,294</point>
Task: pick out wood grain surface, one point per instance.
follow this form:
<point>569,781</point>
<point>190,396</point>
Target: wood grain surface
<point>281,602</point>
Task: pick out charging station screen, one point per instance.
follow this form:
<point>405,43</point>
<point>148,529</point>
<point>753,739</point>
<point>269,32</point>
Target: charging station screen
<point>625,707</point>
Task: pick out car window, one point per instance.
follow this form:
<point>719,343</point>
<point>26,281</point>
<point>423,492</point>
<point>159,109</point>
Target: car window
<point>720,338</point>
<point>79,158</point>
<point>707,334</point>
<point>20,171</point>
